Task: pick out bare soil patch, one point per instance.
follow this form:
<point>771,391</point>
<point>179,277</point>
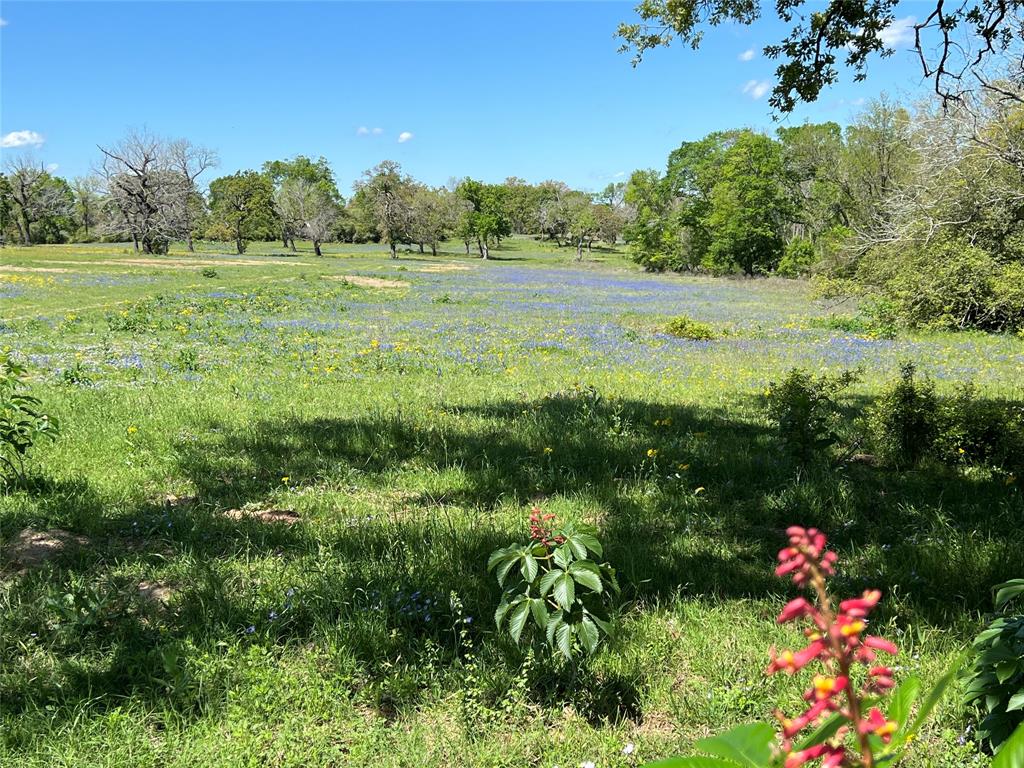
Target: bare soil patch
<point>186,263</point>
<point>286,516</point>
<point>12,268</point>
<point>30,548</point>
<point>155,593</point>
<point>369,282</point>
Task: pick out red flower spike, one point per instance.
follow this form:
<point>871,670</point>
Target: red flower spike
<point>795,609</point>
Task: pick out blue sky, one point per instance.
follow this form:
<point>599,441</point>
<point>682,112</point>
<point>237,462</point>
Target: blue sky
<point>532,89</point>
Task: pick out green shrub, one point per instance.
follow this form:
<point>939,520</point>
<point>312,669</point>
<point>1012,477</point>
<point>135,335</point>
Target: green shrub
<point>687,328</point>
<point>554,589</point>
<point>903,422</point>
<point>797,258</point>
<point>971,429</point>
<point>804,408</point>
<point>22,420</point>
<point>208,272</point>
<point>996,678</point>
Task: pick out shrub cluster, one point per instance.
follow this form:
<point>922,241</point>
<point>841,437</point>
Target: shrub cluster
<point>684,327</point>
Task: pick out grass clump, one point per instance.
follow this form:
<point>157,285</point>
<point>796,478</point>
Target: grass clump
<point>684,327</point>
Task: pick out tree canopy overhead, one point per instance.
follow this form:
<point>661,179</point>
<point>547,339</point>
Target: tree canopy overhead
<point>954,41</point>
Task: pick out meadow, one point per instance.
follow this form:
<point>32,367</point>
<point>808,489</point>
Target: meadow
<point>285,474</point>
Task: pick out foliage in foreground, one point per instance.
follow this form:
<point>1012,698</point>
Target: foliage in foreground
<point>997,670</point>
<point>22,421</point>
<point>844,725</point>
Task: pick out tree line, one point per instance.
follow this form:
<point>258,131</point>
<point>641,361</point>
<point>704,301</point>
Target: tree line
<point>918,210</point>
<point>147,190</point>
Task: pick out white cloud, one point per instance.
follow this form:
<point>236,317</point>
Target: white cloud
<point>22,139</point>
<point>3,22</point>
<point>404,136</point>
<point>362,130</point>
<point>52,168</point>
<point>747,55</point>
<point>756,88</point>
<point>377,131</point>
<point>900,32</point>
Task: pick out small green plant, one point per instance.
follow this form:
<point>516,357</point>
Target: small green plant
<point>904,421</point>
<point>77,375</point>
<point>22,420</point>
<point>996,678</point>
<point>805,410</point>
<point>684,327</point>
<point>554,587</point>
<point>208,272</point>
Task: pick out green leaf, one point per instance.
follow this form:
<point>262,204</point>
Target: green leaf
<point>562,556</point>
<point>934,695</point>
<point>504,568</point>
<point>591,543</point>
<point>517,620</point>
<point>902,699</point>
<point>578,547</point>
<point>496,557</point>
<point>548,581</point>
<point>540,612</point>
<point>1016,702</point>
<point>1006,669</point>
<point>588,634</point>
<point>499,614</point>
<point>694,761</point>
<point>588,574</point>
<point>1008,590</point>
<point>746,745</point>
<point>530,568</point>
<point>823,732</point>
<point>554,622</point>
<point>563,637</point>
<point>1011,754</point>
<point>565,591</point>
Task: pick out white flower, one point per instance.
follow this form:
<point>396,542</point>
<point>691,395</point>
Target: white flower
<point>588,764</point>
<point>629,748</point>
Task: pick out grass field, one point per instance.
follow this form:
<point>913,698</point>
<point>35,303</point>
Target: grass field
<point>287,472</point>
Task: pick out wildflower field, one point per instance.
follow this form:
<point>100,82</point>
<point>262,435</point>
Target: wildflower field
<point>280,477</point>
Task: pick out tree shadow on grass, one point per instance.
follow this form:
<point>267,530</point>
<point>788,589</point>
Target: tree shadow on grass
<point>688,501</point>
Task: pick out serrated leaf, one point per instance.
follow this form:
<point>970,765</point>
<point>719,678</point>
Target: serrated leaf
<point>588,634</point>
<point>540,612</point>
<point>563,639</point>
<point>499,614</point>
<point>504,568</point>
<point>564,591</point>
<point>548,580</point>
<point>578,547</point>
<point>562,556</point>
<point>554,622</point>
<point>591,543</point>
<point>517,619</point>
<point>530,568</point>
<point>587,574</point>
<point>496,556</point>
<point>747,745</point>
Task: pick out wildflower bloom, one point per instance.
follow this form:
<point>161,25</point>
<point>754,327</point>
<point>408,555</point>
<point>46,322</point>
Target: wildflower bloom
<point>541,526</point>
<point>652,453</point>
<point>837,641</point>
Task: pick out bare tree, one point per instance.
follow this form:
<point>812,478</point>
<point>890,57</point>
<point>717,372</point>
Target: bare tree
<point>148,192</point>
<point>310,207</point>
<point>191,161</point>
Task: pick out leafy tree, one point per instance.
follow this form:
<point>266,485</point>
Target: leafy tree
<point>316,173</point>
<point>749,207</point>
<point>242,208</point>
<point>952,42</point>
<point>486,220</point>
<point>88,201</point>
<point>652,236</point>
<point>385,194</point>
<point>34,197</point>
<point>311,208</point>
<point>436,213</point>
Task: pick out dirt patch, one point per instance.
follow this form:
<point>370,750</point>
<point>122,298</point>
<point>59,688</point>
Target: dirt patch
<point>185,263</point>
<point>172,501</point>
<point>11,268</point>
<point>445,268</point>
<point>369,282</point>
<point>155,593</point>
<point>30,548</point>
<point>286,516</point>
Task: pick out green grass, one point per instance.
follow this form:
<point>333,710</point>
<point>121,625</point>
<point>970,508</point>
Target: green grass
<point>411,423</point>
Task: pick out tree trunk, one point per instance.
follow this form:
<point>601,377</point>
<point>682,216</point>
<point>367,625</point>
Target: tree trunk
<point>579,249</point>
<point>433,249</point>
<point>394,252</point>
<point>421,248</point>
<point>482,243</point>
<point>26,228</point>
<point>292,242</point>
<point>135,242</point>
<point>188,242</point>
<point>316,248</point>
<point>239,243</point>
<point>284,238</point>
<point>467,246</point>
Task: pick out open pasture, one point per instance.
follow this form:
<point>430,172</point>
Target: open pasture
<point>286,472</point>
